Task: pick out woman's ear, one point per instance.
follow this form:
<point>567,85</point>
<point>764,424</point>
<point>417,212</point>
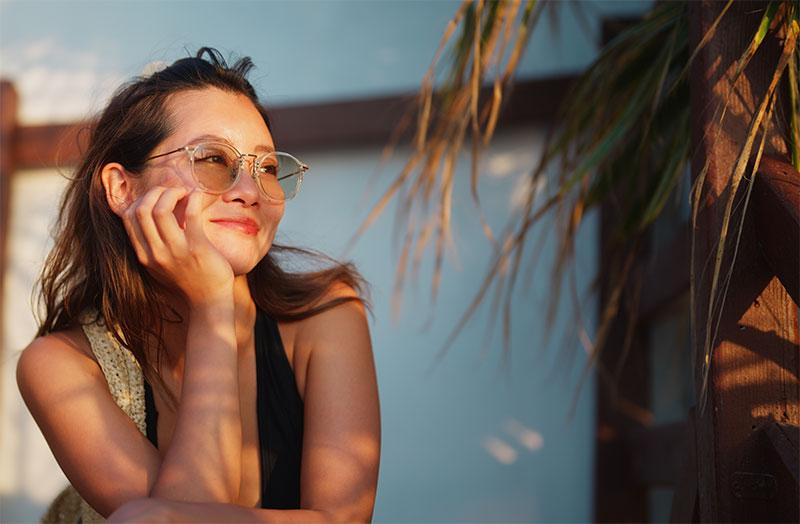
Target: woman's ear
<point>119,187</point>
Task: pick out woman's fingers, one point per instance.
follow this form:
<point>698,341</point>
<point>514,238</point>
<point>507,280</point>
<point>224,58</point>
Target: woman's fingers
<point>166,222</point>
<point>136,231</point>
<point>143,214</point>
<point>194,225</point>
<point>137,237</point>
<point>182,257</point>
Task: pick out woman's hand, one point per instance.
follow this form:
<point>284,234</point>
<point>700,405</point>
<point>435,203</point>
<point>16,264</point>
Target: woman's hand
<point>179,256</point>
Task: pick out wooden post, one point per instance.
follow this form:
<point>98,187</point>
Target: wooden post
<point>8,126</point>
<point>622,401</point>
<point>753,379</point>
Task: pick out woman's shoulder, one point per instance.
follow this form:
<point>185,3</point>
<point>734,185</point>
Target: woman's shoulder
<point>53,360</point>
<point>335,320</point>
<point>70,344</point>
<point>343,324</point>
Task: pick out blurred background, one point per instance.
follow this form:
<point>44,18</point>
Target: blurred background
<point>478,435</point>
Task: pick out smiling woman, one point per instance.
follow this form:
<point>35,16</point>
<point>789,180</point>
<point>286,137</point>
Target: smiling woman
<point>210,383</point>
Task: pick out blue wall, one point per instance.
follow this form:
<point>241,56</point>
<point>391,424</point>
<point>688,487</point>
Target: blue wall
<point>467,439</point>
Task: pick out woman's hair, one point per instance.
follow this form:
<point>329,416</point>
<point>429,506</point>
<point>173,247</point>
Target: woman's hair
<point>93,267</point>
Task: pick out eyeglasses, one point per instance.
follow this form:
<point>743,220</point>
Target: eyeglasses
<point>216,168</point>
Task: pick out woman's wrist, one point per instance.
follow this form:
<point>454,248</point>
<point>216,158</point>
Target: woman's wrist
<point>214,307</point>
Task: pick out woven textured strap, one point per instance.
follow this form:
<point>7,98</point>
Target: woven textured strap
<point>122,372</point>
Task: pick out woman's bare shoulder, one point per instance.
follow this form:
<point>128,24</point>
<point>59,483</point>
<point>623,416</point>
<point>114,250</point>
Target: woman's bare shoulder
<point>52,352</point>
<point>346,320</point>
<point>333,321</point>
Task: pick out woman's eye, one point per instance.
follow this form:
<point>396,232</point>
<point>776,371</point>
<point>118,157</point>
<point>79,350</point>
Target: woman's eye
<point>212,159</point>
<point>269,169</point>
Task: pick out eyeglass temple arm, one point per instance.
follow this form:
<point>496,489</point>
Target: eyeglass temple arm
<point>303,169</point>
<point>165,154</point>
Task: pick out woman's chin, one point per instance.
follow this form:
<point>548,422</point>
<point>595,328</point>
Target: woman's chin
<point>241,263</point>
<point>242,257</point>
<point>242,267</point>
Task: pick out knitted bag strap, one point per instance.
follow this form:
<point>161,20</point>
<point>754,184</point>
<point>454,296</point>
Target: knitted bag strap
<point>122,372</point>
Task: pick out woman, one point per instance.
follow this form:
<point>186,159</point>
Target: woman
<point>249,392</point>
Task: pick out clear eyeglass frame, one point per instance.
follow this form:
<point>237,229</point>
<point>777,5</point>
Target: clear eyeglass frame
<point>295,175</point>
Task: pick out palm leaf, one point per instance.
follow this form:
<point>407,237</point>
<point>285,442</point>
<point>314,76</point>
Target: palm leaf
<point>641,76</point>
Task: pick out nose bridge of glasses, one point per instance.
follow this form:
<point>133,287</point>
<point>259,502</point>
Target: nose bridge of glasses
<point>241,160</point>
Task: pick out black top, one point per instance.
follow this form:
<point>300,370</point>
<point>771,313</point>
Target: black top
<point>280,418</point>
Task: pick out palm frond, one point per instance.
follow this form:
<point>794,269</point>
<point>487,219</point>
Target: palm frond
<point>589,157</point>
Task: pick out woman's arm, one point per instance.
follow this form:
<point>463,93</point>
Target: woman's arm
<point>151,511</point>
<point>203,462</point>
<point>341,448</point>
<point>99,448</point>
<point>342,427</point>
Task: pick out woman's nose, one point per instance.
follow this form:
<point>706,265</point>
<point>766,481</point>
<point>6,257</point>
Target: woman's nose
<point>245,189</point>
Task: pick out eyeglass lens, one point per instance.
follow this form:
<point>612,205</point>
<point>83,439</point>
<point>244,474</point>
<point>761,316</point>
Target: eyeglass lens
<point>216,167</point>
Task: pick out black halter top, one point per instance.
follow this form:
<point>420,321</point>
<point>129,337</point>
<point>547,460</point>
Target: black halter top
<point>280,418</point>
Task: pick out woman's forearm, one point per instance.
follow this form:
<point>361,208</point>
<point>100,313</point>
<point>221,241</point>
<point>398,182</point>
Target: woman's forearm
<point>159,510</point>
<point>203,462</point>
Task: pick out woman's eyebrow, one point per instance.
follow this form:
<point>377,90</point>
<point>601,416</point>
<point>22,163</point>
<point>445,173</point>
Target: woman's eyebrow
<point>212,138</point>
<point>268,149</point>
<point>217,138</point>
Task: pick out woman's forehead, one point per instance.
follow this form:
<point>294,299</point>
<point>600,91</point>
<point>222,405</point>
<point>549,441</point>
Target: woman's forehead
<point>213,112</point>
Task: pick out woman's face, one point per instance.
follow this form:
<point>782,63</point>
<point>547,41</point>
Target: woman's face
<point>241,222</point>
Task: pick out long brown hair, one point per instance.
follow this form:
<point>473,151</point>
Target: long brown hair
<point>93,267</point>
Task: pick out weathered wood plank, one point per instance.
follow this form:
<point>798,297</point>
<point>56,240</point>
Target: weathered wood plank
<point>776,208</point>
<point>622,398</point>
<point>8,126</point>
<point>754,362</point>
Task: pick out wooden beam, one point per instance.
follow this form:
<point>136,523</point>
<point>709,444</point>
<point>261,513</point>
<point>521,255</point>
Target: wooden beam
<point>684,498</point>
<point>753,364</point>
<point>8,127</point>
<point>666,277</point>
<point>44,146</point>
<point>764,482</point>
<point>776,208</point>
<point>622,393</point>
<point>657,453</point>
<point>349,123</point>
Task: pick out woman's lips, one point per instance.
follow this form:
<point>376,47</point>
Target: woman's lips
<point>245,225</point>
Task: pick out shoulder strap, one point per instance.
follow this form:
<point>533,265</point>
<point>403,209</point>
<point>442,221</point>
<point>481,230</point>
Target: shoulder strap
<point>122,372</point>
